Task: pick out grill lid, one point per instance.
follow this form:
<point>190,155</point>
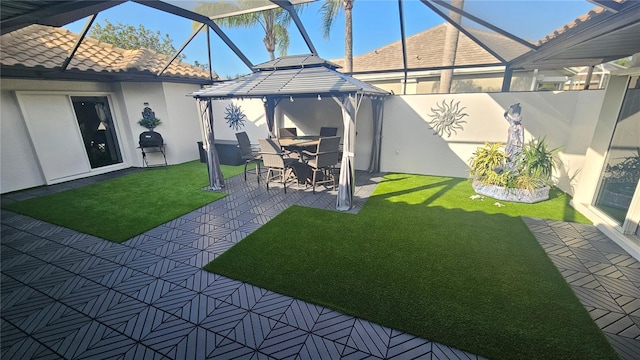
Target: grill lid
<point>150,139</point>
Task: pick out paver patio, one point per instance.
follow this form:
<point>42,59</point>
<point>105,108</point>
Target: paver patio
<point>72,295</point>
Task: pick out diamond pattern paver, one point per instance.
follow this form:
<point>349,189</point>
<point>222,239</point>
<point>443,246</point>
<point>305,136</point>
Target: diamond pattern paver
<point>71,295</point>
<point>600,274</point>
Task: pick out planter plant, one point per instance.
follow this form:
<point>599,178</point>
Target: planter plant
<point>149,119</point>
<point>526,179</point>
<point>149,123</point>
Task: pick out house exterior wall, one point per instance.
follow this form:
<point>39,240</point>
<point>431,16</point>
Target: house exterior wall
<point>595,154</point>
<point>178,112</point>
<point>18,166</point>
<point>566,119</point>
<point>594,161</point>
<point>21,167</point>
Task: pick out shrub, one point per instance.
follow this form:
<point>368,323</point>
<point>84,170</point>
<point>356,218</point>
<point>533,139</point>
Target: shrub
<point>533,168</point>
<point>486,159</point>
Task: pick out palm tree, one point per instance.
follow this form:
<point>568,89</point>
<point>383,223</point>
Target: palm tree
<point>450,47</point>
<point>273,21</point>
<point>330,10</point>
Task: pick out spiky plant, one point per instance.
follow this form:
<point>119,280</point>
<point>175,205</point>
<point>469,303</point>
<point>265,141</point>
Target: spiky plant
<point>537,162</point>
<point>486,159</point>
<point>534,165</point>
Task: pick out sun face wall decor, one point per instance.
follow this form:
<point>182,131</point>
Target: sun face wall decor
<point>234,116</point>
<point>447,118</point>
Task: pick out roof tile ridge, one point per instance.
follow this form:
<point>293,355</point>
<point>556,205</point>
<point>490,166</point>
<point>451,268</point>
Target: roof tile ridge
<point>136,59</point>
<point>577,22</point>
<point>27,33</point>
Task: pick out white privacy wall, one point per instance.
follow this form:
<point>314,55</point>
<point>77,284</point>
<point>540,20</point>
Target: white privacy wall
<point>566,119</point>
<point>255,124</point>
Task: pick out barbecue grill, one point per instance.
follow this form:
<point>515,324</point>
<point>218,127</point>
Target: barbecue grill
<point>151,141</point>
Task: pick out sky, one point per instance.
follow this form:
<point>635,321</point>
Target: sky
<point>375,24</point>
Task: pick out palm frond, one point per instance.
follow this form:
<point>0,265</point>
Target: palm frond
<point>329,10</point>
<point>282,39</point>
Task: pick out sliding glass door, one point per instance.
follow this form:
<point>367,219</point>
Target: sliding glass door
<point>97,129</point>
<point>618,187</point>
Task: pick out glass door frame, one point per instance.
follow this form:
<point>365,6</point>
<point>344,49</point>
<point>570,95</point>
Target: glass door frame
<point>630,224</point>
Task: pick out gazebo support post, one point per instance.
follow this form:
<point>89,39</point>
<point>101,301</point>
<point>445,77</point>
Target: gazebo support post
<point>270,104</point>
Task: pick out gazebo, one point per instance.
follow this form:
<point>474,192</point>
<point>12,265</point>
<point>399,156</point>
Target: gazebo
<point>299,76</point>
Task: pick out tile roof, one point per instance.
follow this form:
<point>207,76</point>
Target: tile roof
<point>41,47</point>
<point>425,49</point>
<point>576,24</point>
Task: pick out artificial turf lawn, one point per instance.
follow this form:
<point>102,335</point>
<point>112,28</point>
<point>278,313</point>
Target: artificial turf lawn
<point>124,207</point>
<point>424,258</point>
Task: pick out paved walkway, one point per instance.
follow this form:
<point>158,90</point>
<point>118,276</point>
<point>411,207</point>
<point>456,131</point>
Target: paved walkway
<point>70,295</point>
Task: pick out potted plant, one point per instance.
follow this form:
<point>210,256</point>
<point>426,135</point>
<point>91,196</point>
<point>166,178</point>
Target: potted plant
<point>527,179</point>
<point>150,124</point>
<point>149,119</point>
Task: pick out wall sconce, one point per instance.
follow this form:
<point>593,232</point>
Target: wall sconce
<point>319,98</point>
<point>264,99</point>
<point>290,98</point>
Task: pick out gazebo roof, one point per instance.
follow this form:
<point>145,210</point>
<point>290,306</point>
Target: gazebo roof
<point>300,75</point>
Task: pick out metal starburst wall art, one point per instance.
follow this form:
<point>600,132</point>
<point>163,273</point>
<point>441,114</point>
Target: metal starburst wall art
<point>234,116</point>
<point>447,118</point>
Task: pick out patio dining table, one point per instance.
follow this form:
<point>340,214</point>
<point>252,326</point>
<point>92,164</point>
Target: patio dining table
<point>301,170</point>
<point>300,144</point>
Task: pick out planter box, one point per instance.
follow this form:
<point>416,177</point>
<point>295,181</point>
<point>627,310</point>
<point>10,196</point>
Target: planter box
<point>515,195</point>
<point>228,152</point>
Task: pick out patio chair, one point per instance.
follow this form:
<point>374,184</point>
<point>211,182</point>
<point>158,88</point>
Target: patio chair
<point>288,132</point>
<point>279,167</point>
<point>328,131</point>
<point>323,161</point>
<point>249,154</point>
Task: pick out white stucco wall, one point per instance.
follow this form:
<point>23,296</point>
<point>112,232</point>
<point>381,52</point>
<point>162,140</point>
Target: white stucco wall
<point>595,154</point>
<point>18,164</point>
<point>22,168</point>
<point>255,124</point>
<point>180,126</point>
<point>566,119</point>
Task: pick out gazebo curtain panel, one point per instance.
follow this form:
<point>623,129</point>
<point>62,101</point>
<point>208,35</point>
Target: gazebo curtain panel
<point>377,106</point>
<point>270,104</point>
<point>346,185</point>
<point>216,180</point>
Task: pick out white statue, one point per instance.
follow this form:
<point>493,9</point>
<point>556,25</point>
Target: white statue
<point>515,138</point>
